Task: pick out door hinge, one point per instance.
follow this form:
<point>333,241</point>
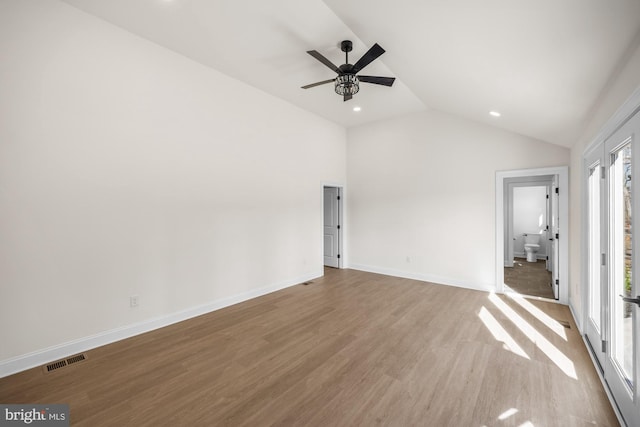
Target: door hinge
<point>558,282</point>
<point>338,227</point>
<point>547,258</point>
<point>338,197</point>
<point>557,190</point>
<point>603,259</point>
<point>601,172</point>
<point>547,196</point>
<point>338,255</point>
<point>603,345</point>
<point>557,236</point>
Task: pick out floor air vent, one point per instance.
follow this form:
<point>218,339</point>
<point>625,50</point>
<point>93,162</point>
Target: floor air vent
<point>64,362</point>
<point>56,365</point>
<point>75,359</point>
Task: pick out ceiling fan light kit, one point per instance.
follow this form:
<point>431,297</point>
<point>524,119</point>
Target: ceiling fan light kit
<point>347,83</point>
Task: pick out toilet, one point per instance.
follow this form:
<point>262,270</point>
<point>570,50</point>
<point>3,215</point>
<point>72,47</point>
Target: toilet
<point>531,246</point>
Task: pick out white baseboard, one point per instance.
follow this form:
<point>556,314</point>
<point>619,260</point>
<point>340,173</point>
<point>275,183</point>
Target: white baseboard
<point>439,280</point>
<point>575,318</point>
<point>47,355</point>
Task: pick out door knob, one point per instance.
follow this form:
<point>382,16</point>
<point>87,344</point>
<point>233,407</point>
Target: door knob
<point>635,300</point>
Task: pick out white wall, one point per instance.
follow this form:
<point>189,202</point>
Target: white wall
<point>529,216</point>
<point>617,92</point>
<point>508,185</point>
<point>128,169</point>
<point>422,195</point>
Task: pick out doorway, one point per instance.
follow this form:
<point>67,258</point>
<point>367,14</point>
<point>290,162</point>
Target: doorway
<point>552,240</point>
<point>529,244</point>
<point>332,226</point>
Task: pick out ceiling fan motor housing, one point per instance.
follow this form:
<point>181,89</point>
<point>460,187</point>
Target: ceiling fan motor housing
<point>346,46</point>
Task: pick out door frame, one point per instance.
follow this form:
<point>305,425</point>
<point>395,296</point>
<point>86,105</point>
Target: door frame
<point>563,241</point>
<point>625,112</point>
<point>342,237</point>
<point>510,184</point>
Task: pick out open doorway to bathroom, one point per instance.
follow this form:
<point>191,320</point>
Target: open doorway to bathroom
<point>531,227</point>
<point>528,266</point>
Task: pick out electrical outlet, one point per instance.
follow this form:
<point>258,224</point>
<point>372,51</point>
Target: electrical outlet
<point>133,301</point>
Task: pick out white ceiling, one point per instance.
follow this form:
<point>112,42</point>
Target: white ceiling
<point>541,63</point>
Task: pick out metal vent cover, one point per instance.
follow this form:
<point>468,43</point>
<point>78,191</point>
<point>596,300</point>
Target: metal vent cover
<point>75,359</point>
<point>64,362</point>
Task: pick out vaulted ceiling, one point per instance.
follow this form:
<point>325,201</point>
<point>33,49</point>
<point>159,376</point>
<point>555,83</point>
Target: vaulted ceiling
<point>541,63</point>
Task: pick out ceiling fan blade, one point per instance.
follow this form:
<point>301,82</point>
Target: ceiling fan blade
<point>318,83</point>
<point>384,81</point>
<point>368,57</point>
<point>348,97</point>
<point>324,60</point>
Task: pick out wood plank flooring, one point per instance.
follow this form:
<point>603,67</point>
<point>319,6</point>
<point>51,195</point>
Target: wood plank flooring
<point>350,349</point>
<point>529,278</point>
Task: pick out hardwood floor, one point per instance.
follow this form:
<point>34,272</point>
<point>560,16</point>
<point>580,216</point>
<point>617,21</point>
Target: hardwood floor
<point>529,278</point>
<point>352,348</point>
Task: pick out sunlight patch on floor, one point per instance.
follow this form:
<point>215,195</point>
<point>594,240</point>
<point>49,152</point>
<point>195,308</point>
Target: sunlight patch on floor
<point>508,413</point>
<point>543,317</point>
<point>500,334</point>
<point>552,352</point>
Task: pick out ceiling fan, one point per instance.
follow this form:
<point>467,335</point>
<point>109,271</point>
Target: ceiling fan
<point>347,82</point>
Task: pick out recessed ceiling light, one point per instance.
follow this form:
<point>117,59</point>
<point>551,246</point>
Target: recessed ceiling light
<point>356,109</point>
<point>495,113</point>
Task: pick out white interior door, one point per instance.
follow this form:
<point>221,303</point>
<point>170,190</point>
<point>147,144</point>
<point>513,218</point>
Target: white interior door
<point>331,226</point>
<point>510,237</point>
<point>613,301</point>
<point>547,239</point>
<point>554,235</point>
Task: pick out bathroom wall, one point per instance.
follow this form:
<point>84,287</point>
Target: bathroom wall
<point>529,215</point>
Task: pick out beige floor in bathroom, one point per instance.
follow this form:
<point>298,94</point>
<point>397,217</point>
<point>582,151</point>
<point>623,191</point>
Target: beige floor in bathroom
<point>529,278</point>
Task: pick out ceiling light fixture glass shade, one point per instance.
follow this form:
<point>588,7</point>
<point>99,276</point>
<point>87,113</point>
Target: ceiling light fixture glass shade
<point>347,84</point>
